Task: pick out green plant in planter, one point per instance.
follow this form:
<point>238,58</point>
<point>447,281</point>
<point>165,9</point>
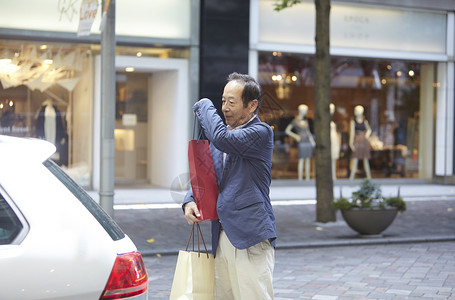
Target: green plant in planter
<point>367,212</point>
<point>397,202</point>
<point>369,195</point>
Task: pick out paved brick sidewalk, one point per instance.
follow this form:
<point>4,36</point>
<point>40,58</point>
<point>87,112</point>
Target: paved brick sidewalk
<point>393,271</point>
<point>165,231</point>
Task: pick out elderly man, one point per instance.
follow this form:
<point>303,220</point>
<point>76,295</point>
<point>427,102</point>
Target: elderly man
<point>243,239</point>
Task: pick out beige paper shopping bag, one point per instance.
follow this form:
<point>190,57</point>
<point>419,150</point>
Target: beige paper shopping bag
<point>194,277</point>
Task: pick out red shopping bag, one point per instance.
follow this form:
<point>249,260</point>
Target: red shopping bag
<point>203,178</point>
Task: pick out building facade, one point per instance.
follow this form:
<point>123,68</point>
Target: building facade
<point>396,61</point>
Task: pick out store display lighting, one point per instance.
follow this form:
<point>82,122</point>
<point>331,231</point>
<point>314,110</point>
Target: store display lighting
<point>5,58</point>
<point>411,73</point>
<point>10,103</point>
<point>37,68</point>
<point>383,81</point>
<point>129,69</point>
<point>48,58</point>
<point>399,73</point>
<point>139,54</point>
<point>6,66</point>
<point>8,69</point>
<point>5,61</point>
<point>277,77</point>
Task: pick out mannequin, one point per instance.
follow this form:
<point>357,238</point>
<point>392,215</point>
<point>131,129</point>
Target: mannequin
<point>50,127</point>
<point>334,142</point>
<point>360,131</point>
<point>304,139</point>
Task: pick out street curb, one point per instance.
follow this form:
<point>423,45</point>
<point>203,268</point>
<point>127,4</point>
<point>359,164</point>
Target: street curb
<point>359,242</point>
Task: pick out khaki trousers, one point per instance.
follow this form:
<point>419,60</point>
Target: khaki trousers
<point>243,274</point>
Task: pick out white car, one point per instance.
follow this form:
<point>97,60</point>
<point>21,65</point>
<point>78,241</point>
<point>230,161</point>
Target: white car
<point>55,241</point>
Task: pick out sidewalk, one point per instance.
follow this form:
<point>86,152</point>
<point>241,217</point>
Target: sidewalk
<point>153,218</point>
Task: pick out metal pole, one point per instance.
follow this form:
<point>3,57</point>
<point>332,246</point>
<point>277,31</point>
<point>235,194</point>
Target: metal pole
<point>107,149</point>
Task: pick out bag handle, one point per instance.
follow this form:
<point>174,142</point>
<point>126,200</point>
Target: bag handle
<point>194,129</point>
<point>199,232</point>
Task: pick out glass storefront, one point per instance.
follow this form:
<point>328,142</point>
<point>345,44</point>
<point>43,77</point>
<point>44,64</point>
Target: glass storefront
<point>131,127</point>
<point>45,93</point>
<point>388,90</point>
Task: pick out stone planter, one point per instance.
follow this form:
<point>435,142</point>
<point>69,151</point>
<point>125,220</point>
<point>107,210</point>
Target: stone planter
<point>367,221</point>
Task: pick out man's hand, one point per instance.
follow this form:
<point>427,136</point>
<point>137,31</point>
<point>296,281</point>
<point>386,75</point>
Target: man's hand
<point>192,213</point>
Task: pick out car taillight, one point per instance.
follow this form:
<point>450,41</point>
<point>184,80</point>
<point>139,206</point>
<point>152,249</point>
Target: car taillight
<point>128,277</point>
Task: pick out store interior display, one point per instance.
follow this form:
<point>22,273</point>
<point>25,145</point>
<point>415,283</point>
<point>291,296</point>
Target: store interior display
<point>39,83</point>
<point>388,91</point>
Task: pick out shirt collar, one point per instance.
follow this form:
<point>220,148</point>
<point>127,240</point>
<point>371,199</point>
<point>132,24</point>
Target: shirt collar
<point>243,125</point>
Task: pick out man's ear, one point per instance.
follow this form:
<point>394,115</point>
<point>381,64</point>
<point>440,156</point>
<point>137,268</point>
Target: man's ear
<point>253,105</point>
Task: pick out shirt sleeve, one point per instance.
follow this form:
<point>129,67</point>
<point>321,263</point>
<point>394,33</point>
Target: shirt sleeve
<point>244,142</point>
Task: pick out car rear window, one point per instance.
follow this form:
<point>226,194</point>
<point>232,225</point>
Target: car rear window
<point>10,225</point>
<point>100,215</point>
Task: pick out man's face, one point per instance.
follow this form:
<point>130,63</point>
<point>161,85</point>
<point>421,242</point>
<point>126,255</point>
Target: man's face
<point>234,111</point>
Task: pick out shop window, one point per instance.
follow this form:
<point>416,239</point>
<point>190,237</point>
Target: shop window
<point>388,91</point>
<point>131,127</point>
<point>46,92</point>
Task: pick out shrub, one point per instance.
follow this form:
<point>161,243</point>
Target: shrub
<point>369,195</point>
<point>397,202</point>
<point>342,204</point>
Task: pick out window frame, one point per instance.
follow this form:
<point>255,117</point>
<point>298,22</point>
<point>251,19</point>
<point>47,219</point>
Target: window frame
<point>22,233</point>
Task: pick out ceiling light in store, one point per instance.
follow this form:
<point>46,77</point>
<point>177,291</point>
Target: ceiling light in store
<point>129,69</point>
<point>399,73</point>
<point>1,105</point>
<point>139,54</point>
<point>276,77</point>
<point>48,58</point>
<point>383,81</point>
<point>389,67</point>
<point>294,78</point>
<point>10,103</point>
<point>411,73</point>
<point>43,47</point>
